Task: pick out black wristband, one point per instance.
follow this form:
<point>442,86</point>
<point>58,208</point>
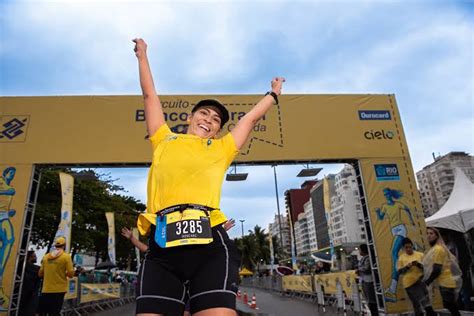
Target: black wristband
<point>274,95</point>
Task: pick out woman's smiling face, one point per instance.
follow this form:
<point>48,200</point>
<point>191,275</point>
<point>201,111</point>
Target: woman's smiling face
<point>205,122</point>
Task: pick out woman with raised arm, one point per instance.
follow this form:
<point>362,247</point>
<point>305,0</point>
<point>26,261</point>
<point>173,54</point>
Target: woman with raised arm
<point>188,248</point>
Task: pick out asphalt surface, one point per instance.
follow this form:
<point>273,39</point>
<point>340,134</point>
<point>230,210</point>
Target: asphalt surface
<point>268,303</point>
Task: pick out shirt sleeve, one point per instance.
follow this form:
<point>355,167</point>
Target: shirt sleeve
<point>229,147</point>
<point>69,266</point>
<point>159,135</point>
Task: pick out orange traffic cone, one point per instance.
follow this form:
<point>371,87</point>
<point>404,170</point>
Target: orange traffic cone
<point>245,300</point>
<point>238,295</point>
<point>254,302</point>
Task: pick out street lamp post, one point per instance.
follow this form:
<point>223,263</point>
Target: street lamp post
<point>278,204</point>
<point>242,221</point>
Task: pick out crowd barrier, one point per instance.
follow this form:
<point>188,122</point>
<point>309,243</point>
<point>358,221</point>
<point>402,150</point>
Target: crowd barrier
<point>85,298</point>
<point>337,289</point>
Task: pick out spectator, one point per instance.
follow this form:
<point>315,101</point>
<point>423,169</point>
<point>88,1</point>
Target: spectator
<point>30,287</point>
<point>409,266</point>
<point>441,266</point>
<point>364,271</point>
<point>55,268</point>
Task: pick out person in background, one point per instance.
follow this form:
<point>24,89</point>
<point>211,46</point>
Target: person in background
<point>411,269</point>
<point>364,272</point>
<point>56,267</point>
<point>30,287</point>
<point>440,266</point>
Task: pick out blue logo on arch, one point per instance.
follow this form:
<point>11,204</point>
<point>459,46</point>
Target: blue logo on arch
<point>387,172</point>
<point>375,115</point>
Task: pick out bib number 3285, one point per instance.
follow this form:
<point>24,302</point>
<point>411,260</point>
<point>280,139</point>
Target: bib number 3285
<point>191,228</point>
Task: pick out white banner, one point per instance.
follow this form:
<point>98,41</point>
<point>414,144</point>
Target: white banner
<point>137,251</point>
<point>272,256</point>
<point>111,241</point>
<point>67,191</point>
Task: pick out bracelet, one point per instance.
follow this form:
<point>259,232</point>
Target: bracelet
<point>274,95</point>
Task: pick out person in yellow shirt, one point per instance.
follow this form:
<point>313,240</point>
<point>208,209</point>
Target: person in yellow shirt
<point>56,267</point>
<point>441,266</point>
<point>188,247</point>
<point>410,268</point>
<point>393,210</point>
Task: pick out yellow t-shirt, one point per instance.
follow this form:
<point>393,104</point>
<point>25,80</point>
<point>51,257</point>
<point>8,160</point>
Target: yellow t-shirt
<point>394,213</point>
<point>440,256</point>
<point>54,272</point>
<point>186,169</point>
<point>414,273</point>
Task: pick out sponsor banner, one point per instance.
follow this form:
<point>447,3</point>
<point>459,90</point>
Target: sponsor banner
<point>297,283</point>
<point>375,115</point>
<point>386,172</point>
<point>13,128</point>
<point>395,213</point>
<point>111,239</point>
<point>330,282</point>
<point>94,292</point>
<point>137,251</point>
<point>14,185</point>
<point>72,288</point>
<point>67,193</point>
<point>367,126</point>
<point>379,135</point>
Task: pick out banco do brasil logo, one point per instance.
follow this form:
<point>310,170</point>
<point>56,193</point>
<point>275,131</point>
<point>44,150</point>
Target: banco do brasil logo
<point>13,128</point>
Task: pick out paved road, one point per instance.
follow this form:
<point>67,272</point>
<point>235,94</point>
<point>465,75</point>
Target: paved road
<point>126,310</point>
<point>269,304</point>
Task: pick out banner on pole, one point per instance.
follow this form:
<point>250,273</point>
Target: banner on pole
<point>67,194</point>
<point>137,251</point>
<point>111,240</point>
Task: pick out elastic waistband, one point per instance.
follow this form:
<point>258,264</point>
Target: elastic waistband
<point>182,207</point>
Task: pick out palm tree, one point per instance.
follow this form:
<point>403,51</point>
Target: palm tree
<point>261,243</point>
<point>248,251</point>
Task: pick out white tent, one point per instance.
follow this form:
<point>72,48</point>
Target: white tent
<point>458,211</point>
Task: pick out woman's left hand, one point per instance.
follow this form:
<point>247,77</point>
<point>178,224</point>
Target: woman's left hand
<point>277,84</point>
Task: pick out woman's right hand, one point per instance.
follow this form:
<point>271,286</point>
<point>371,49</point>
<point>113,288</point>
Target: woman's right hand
<point>140,47</point>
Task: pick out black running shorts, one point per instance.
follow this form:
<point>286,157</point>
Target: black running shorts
<point>209,273</point>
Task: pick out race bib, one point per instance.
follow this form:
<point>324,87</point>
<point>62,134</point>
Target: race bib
<point>189,227</point>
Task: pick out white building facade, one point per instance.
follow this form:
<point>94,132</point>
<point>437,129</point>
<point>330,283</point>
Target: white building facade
<point>345,220</point>
<point>301,235</point>
<point>436,180</point>
<point>274,228</point>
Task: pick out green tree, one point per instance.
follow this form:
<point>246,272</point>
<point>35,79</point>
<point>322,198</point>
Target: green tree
<point>248,251</point>
<point>94,195</point>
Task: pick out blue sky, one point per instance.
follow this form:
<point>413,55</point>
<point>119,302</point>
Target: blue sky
<point>422,51</point>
